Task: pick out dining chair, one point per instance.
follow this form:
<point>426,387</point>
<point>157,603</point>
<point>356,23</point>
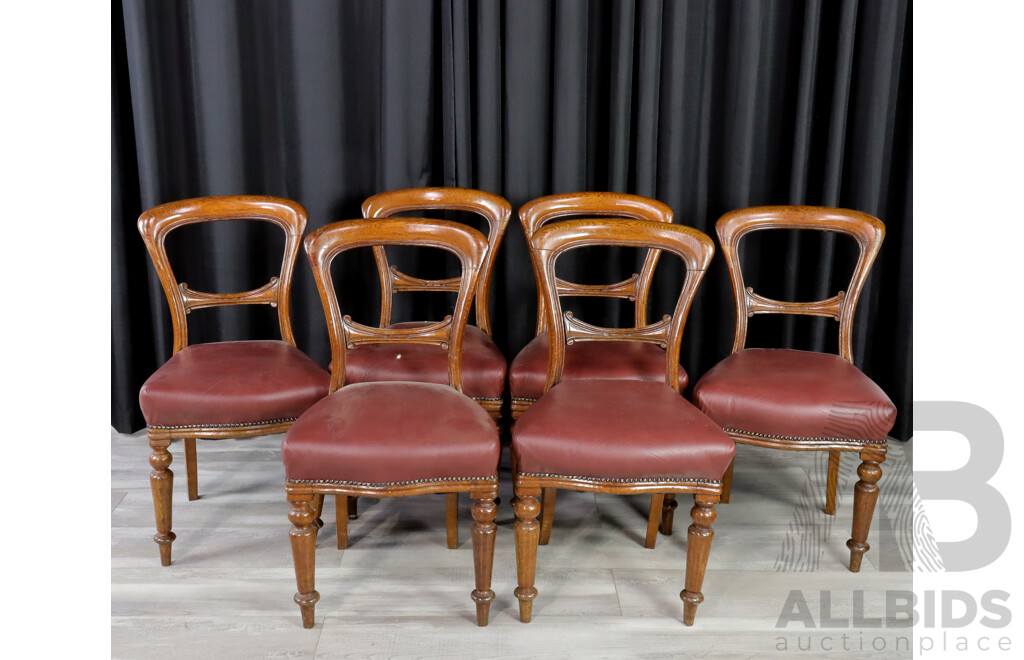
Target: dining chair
<point>484,367</point>
<point>231,389</point>
<point>803,400</point>
<point>614,435</point>
<point>600,359</point>
<point>392,438</point>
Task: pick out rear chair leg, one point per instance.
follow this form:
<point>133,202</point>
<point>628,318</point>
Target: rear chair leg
<point>341,508</point>
<point>668,512</point>
<point>833,481</point>
<point>452,519</point>
<point>727,482</point>
<point>653,518</point>
<point>190,469</point>
<point>547,513</point>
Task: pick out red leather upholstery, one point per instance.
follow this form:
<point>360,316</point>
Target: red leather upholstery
<point>483,365</point>
<point>794,394</point>
<point>619,429</point>
<point>236,382</point>
<point>587,359</point>
<point>390,433</point>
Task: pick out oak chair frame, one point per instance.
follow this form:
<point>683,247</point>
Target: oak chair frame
<point>322,246</point>
<point>496,211</point>
<point>547,244</point>
<point>535,214</point>
<point>154,226</point>
<point>868,232</point>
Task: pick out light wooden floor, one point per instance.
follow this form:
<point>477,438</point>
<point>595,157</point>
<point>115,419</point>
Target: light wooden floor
<point>399,592</point>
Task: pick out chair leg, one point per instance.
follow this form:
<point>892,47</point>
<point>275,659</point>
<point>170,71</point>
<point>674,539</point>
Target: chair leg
<point>865,494</point>
<point>727,482</point>
<point>353,508</point>
<point>527,531</point>
<point>697,551</point>
<point>318,510</point>
<point>341,507</point>
<point>190,469</point>
<point>833,481</point>
<point>653,518</point>
<point>484,530</point>
<point>452,519</point>
<point>161,481</point>
<point>668,513</point>
<point>547,513</point>
<point>303,537</point>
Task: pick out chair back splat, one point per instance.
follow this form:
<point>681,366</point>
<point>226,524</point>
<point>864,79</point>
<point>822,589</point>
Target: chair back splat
<point>867,230</point>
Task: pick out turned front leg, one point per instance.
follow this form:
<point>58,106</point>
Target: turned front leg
<point>865,495</point>
<point>484,529</point>
<point>161,481</point>
<point>527,531</point>
<point>697,551</point>
<point>303,538</point>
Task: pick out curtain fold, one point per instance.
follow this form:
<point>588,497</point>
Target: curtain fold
<point>705,105</point>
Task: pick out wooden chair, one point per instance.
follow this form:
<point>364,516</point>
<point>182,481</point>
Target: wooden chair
<point>392,439</point>
<point>800,400</point>
<point>226,389</point>
<point>622,436</point>
<point>484,367</point>
<point>601,359</point>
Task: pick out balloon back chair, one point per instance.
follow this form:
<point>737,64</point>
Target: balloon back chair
<point>623,436</point>
<point>595,359</point>
<point>397,438</point>
<point>484,367</point>
<point>803,400</point>
<point>228,389</point>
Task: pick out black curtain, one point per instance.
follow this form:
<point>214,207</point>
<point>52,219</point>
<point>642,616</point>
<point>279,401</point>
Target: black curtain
<point>705,105</point>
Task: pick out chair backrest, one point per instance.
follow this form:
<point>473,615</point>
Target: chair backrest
<point>534,214</point>
<point>694,247</point>
<point>466,243</point>
<point>494,209</point>
<point>867,230</point>
<point>156,223</point>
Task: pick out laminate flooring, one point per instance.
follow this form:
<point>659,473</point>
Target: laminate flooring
<point>398,592</point>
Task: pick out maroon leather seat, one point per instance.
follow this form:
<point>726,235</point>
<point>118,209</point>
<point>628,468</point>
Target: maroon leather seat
<point>619,430</point>
<point>589,359</point>
<point>794,394</point>
<point>483,365</point>
<point>392,433</point>
<point>231,383</point>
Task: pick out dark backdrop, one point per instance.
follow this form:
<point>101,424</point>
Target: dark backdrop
<point>706,106</point>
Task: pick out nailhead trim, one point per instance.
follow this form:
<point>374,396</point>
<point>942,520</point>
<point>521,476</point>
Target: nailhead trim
<point>219,426</point>
<point>796,437</point>
<point>524,399</point>
<point>485,398</point>
<point>622,481</point>
<point>339,482</point>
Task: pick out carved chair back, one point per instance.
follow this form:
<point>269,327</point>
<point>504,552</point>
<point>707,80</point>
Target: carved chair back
<point>467,244</point>
<point>156,223</point>
<point>534,214</point>
<point>692,246</point>
<point>494,209</point>
<point>867,230</point>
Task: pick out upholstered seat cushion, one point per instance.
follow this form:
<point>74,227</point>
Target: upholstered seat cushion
<point>392,433</point>
<point>236,382</point>
<point>483,365</point>
<point>587,359</point>
<point>619,429</point>
<point>794,394</point>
